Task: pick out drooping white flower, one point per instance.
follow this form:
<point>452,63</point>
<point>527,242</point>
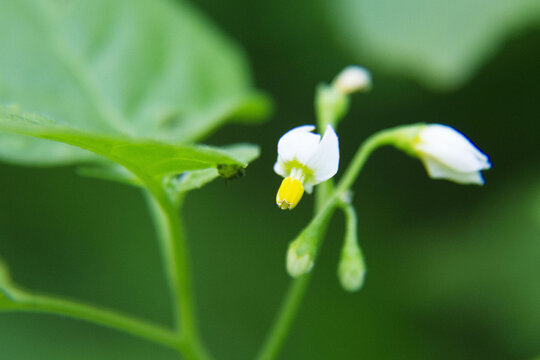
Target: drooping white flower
<point>448,154</point>
<point>352,79</point>
<point>304,160</point>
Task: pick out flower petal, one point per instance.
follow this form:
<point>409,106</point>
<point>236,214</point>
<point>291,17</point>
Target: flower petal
<point>308,187</point>
<point>436,170</point>
<point>279,168</point>
<point>298,144</point>
<point>324,162</point>
<point>451,148</point>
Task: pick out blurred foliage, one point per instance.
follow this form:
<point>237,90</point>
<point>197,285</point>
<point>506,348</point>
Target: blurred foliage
<point>148,159</point>
<point>440,43</point>
<point>139,68</point>
<point>452,270</point>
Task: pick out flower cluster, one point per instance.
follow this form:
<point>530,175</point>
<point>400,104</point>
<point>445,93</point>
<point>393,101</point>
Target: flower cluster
<point>306,159</point>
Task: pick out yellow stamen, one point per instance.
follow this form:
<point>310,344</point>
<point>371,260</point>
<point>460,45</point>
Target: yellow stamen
<point>289,194</point>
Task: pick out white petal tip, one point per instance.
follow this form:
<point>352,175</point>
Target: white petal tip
<point>448,154</point>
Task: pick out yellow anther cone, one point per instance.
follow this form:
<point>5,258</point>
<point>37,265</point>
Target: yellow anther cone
<point>289,194</point>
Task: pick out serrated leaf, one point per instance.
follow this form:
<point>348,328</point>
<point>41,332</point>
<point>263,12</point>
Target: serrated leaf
<point>440,43</point>
<point>154,69</point>
<point>144,158</point>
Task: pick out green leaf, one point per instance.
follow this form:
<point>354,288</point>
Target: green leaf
<point>154,69</point>
<point>440,43</point>
<point>144,158</point>
<point>177,185</point>
<point>109,172</point>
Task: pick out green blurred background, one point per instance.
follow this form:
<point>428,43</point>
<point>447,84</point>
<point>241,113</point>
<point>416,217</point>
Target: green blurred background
<point>453,270</point>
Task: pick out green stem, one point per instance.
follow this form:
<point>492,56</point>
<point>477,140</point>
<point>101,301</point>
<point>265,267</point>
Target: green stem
<point>25,301</point>
<point>280,329</point>
<point>177,268</point>
<point>185,338</point>
<point>296,292</point>
<point>326,202</point>
<point>398,136</point>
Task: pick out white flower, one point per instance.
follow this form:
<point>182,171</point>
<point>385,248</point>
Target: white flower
<point>448,154</point>
<point>352,79</point>
<point>304,160</point>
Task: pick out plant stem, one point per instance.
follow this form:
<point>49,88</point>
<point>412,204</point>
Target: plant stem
<point>284,319</point>
<point>26,301</point>
<point>177,268</point>
<point>295,294</point>
<point>326,201</point>
<point>185,338</point>
<point>396,136</point>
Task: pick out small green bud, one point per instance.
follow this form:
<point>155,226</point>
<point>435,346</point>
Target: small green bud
<point>352,269</point>
<point>299,262</point>
<point>331,104</point>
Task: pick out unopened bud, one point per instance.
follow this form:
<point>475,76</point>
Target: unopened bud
<point>353,79</point>
<point>298,264</point>
<point>352,269</point>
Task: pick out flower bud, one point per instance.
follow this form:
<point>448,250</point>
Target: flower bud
<point>298,263</point>
<point>352,79</point>
<point>352,269</point>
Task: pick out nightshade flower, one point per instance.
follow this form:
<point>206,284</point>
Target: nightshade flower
<point>448,154</point>
<point>304,160</point>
